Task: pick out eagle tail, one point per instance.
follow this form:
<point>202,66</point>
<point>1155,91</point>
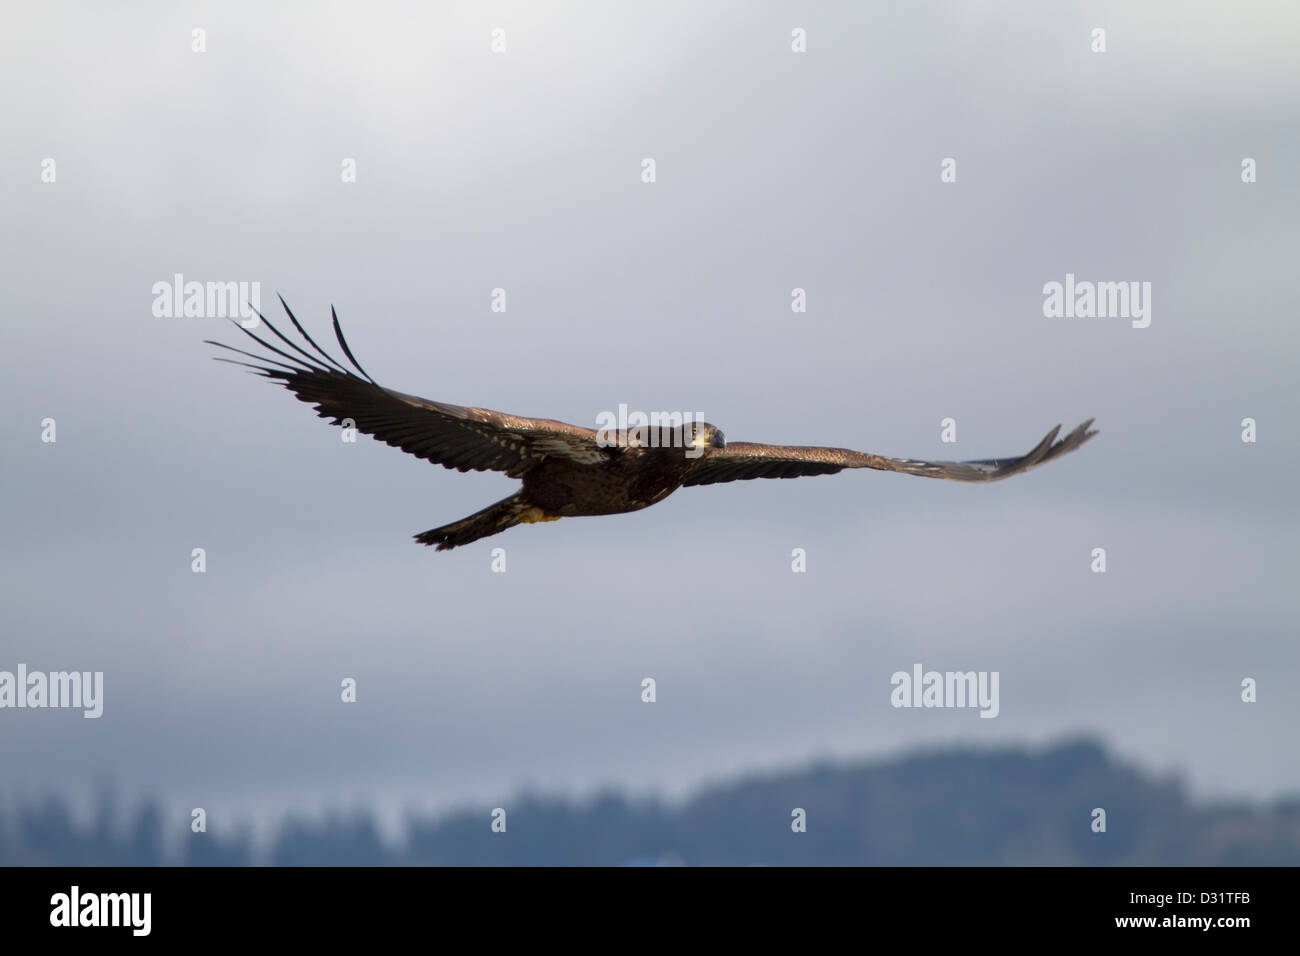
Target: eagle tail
<point>493,519</point>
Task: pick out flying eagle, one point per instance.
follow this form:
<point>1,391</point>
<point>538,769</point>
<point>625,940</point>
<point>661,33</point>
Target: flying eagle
<point>567,470</point>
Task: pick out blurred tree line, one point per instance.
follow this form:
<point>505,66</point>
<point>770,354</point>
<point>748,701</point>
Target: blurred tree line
<point>950,807</point>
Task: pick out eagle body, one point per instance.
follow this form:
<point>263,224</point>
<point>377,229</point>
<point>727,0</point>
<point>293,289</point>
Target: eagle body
<point>630,479</point>
<point>567,470</point>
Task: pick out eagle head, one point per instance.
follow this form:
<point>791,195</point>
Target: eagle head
<point>704,436</point>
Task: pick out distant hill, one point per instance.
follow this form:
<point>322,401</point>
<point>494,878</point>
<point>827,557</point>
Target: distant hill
<point>963,806</point>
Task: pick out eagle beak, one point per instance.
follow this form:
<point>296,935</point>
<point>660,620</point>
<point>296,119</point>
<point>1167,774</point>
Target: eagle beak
<point>701,441</point>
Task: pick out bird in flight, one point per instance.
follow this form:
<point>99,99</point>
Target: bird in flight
<point>567,470</point>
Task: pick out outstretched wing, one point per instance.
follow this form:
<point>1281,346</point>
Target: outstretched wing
<point>457,437</point>
<point>741,461</point>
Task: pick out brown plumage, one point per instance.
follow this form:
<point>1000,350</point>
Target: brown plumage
<point>567,470</point>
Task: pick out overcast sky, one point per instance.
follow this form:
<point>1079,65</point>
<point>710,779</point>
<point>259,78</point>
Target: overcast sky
<point>522,170</point>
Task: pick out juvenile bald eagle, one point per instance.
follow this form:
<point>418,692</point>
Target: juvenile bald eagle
<point>568,470</point>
